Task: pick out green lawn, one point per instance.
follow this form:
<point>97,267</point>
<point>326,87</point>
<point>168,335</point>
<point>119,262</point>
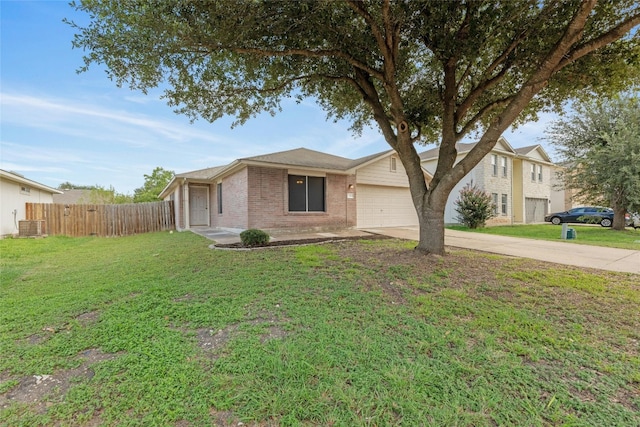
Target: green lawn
<point>586,234</point>
<point>159,330</point>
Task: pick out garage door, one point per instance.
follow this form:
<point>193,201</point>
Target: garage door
<point>535,210</point>
<point>380,206</point>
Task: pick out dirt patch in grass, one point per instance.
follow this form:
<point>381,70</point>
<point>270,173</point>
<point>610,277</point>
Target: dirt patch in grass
<point>213,341</point>
<point>42,390</point>
<point>88,318</point>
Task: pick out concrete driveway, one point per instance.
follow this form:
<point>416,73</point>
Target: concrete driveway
<point>612,259</point>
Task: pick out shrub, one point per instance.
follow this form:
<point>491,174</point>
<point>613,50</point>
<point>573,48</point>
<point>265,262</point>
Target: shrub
<point>254,237</point>
<point>474,206</point>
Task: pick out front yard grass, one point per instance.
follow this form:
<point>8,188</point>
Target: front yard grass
<point>157,329</point>
<point>586,234</point>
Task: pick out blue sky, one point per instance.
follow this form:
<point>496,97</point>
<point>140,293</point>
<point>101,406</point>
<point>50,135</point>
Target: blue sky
<point>57,125</point>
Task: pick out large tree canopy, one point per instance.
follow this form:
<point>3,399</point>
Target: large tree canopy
<point>600,145</point>
<point>424,71</point>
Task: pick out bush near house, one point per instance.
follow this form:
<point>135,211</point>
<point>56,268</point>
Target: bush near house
<point>254,237</point>
<point>474,206</point>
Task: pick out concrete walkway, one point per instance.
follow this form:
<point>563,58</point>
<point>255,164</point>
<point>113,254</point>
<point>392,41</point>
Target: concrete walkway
<point>612,259</point>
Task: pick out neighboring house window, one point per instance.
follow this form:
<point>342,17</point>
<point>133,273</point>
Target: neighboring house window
<point>306,193</point>
<point>392,166</point>
<point>540,173</point>
<point>503,164</point>
<point>219,191</point>
<point>533,172</point>
<point>494,164</point>
<point>504,204</point>
<point>25,190</point>
<point>495,203</point>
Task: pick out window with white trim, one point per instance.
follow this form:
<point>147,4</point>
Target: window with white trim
<point>494,208</point>
<point>533,172</point>
<point>504,204</point>
<point>392,164</point>
<point>25,190</point>
<point>539,173</point>
<point>503,165</point>
<point>494,164</point>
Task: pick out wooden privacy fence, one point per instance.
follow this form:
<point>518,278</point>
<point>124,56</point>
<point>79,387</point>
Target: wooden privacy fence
<point>103,220</point>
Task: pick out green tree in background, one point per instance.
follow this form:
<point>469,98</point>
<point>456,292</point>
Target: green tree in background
<point>600,144</point>
<point>107,196</point>
<point>97,194</point>
<point>422,71</point>
<point>153,186</point>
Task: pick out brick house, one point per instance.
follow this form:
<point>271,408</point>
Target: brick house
<point>519,181</point>
<point>302,189</point>
<point>295,190</point>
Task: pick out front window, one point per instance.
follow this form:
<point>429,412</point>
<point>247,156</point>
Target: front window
<point>306,193</point>
<point>494,164</point>
<point>533,172</point>
<point>540,173</point>
<point>503,164</point>
<point>219,191</point>
<point>392,165</point>
<point>504,204</point>
<point>494,196</point>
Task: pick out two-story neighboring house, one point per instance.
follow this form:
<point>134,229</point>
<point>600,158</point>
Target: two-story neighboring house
<point>533,177</point>
<point>519,181</point>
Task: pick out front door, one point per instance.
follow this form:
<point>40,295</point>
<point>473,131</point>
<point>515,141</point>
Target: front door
<point>199,206</point>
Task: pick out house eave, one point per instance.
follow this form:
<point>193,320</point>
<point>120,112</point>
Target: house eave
<point>10,176</point>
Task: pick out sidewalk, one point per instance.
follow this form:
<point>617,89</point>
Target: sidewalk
<point>612,259</point>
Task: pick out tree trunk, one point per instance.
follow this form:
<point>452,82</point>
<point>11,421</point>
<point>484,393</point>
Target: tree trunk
<point>618,218</point>
<point>431,232</point>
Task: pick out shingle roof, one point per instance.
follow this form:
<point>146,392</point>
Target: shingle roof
<point>76,196</point>
<point>525,150</point>
<point>461,147</point>
<point>363,160</point>
<point>201,173</point>
<point>303,157</point>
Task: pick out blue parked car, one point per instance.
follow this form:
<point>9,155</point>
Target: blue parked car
<point>583,215</point>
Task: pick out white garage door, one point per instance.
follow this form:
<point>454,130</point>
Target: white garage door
<point>535,209</point>
<point>380,206</point>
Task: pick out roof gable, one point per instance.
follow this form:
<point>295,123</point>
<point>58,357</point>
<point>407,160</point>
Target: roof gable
<point>207,173</point>
<point>533,152</point>
<point>502,145</point>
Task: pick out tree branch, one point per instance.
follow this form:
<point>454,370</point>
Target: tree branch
<point>323,53</point>
<point>519,101</point>
<point>489,81</point>
<point>371,97</point>
<point>481,114</point>
<point>595,44</point>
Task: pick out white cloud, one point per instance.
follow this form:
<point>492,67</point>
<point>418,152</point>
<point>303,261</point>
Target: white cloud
<point>71,117</point>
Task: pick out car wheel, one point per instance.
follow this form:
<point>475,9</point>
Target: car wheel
<point>605,222</point>
<point>555,220</point>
